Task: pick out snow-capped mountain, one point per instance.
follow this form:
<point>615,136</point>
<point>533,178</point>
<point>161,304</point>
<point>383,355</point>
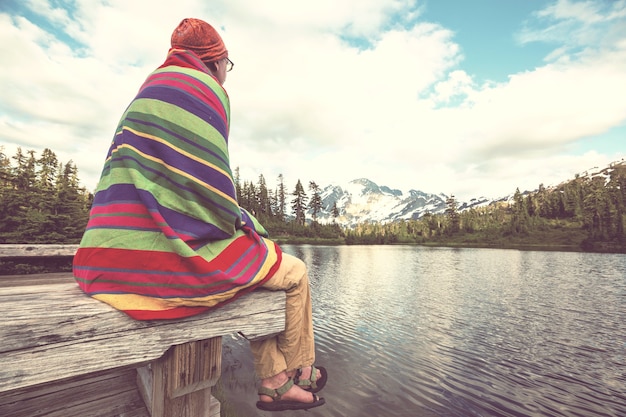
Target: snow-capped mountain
<point>362,200</point>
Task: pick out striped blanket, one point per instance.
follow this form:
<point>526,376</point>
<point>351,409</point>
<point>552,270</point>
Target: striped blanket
<point>166,237</point>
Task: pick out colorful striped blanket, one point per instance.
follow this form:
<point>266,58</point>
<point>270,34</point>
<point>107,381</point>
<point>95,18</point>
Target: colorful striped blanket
<point>166,237</point>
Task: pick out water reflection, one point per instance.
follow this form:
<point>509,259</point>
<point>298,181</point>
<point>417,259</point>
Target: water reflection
<point>411,331</point>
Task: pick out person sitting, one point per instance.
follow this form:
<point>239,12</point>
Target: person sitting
<point>166,237</point>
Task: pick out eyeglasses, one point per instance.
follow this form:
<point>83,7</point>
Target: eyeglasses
<point>229,65</point>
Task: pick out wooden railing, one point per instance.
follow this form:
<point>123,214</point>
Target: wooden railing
<point>63,353</point>
<point>25,250</point>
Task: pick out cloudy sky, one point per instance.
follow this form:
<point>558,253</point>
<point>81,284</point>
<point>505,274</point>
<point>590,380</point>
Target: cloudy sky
<point>471,98</point>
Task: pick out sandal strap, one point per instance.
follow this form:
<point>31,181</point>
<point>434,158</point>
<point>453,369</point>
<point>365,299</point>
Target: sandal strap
<point>307,382</point>
<point>277,393</point>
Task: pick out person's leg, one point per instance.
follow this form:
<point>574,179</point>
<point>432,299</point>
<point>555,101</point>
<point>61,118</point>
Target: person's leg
<point>294,347</point>
<point>276,359</point>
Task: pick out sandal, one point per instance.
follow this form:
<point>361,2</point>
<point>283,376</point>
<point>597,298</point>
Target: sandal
<point>312,384</point>
<point>283,405</point>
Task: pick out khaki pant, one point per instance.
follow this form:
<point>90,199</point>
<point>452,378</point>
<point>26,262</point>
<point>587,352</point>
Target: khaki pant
<point>294,348</point>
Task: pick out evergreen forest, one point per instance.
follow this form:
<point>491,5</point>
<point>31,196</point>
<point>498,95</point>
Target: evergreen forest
<point>41,201</point>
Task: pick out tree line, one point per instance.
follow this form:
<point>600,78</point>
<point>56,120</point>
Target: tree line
<point>41,202</point>
<point>586,213</point>
<point>285,214</point>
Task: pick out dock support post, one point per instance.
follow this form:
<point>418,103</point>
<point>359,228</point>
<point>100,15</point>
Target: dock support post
<point>179,383</point>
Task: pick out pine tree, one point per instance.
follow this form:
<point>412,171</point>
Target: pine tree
<point>519,219</point>
<point>46,178</point>
<point>452,215</point>
<point>315,204</point>
<point>7,191</point>
<point>280,199</point>
<point>70,214</point>
<point>249,198</point>
<point>237,180</point>
<point>298,204</point>
<point>617,190</point>
<point>273,203</point>
<point>335,212</point>
<point>23,224</point>
<point>6,175</point>
<point>262,197</point>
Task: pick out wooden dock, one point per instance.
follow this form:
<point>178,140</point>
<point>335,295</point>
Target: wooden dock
<point>66,354</point>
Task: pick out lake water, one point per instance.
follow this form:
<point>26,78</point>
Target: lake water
<point>414,331</point>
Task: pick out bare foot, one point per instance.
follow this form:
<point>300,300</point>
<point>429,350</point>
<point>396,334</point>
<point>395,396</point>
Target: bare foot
<point>294,393</point>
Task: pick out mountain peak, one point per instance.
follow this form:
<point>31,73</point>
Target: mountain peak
<point>367,184</point>
<point>362,200</point>
<point>370,186</point>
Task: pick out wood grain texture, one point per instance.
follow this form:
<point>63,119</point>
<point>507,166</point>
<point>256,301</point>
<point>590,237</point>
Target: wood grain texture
<point>113,393</point>
<point>63,353</point>
<point>192,366</point>
<point>36,279</point>
<point>28,250</point>
<point>54,332</point>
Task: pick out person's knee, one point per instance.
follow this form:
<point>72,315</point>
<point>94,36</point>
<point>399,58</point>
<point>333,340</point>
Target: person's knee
<point>297,274</point>
<point>293,263</point>
<point>300,267</point>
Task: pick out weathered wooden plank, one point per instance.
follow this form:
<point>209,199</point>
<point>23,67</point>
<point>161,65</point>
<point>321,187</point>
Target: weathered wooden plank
<point>28,250</point>
<point>53,332</point>
<point>101,394</point>
<point>42,314</point>
<point>36,279</point>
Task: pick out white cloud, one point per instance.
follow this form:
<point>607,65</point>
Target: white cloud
<point>576,24</point>
<point>311,105</point>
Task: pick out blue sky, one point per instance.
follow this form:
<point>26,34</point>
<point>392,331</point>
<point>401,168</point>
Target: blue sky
<point>471,98</point>
<point>486,31</point>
